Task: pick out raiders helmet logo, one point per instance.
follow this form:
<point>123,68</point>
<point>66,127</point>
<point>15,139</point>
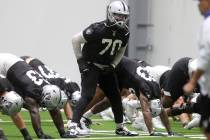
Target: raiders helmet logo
<point>89,31</point>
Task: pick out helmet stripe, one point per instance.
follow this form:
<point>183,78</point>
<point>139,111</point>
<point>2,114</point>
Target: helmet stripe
<point>123,5</point>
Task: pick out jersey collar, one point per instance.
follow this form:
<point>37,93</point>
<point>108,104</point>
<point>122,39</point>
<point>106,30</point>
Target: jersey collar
<point>207,14</point>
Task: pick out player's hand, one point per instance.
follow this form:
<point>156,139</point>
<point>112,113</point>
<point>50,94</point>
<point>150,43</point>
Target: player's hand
<point>188,88</point>
<point>108,69</point>
<point>83,66</point>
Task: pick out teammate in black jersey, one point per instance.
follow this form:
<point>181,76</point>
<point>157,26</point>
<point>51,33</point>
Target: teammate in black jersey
<point>35,90</point>
<point>65,84</point>
<point>175,79</point>
<point>104,45</point>
<point>134,75</point>
<point>11,103</point>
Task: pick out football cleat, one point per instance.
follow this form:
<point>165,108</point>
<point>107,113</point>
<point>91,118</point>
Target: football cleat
<point>85,123</point>
<point>74,131</point>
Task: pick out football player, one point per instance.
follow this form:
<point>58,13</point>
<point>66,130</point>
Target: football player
<point>175,79</point>
<point>133,75</point>
<point>10,104</point>
<point>202,74</point>
<point>104,44</point>
<point>35,90</point>
<point>65,84</point>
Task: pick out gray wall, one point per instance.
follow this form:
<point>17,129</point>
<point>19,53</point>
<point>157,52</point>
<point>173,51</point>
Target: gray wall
<point>43,29</point>
<point>173,32</point>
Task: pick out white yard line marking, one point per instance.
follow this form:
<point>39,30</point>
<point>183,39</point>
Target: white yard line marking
<point>8,121</point>
<point>107,132</point>
<point>136,137</point>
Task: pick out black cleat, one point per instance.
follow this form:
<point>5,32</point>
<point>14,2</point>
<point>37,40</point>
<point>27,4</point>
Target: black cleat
<point>125,132</point>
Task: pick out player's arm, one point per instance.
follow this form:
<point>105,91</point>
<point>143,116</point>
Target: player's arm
<point>77,41</point>
<point>146,112</point>
<point>165,120</point>
<point>118,56</point>
<point>203,64</point>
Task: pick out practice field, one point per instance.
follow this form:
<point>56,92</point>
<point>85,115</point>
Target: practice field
<point>102,130</point>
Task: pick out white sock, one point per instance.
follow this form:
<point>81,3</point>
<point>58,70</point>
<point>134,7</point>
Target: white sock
<point>88,114</point>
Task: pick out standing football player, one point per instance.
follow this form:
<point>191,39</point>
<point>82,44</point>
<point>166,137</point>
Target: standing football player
<point>203,69</point>
<point>104,44</point>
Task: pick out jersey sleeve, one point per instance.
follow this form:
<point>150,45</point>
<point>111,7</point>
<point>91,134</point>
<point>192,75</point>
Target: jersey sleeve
<point>92,32</point>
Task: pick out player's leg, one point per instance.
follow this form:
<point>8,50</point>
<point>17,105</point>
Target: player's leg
<point>97,108</point>
<point>109,85</point>
<point>88,83</point>
<point>18,121</point>
<point>68,111</point>
<point>205,115</point>
<point>99,95</point>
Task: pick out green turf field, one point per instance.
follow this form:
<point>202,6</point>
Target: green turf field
<point>102,130</point>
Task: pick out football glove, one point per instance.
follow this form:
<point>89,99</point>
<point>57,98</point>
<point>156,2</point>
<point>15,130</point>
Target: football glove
<point>83,66</point>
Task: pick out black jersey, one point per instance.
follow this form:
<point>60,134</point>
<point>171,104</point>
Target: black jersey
<point>54,78</point>
<point>5,85</point>
<point>130,74</point>
<point>164,78</point>
<point>26,80</point>
<point>177,78</point>
<point>103,42</point>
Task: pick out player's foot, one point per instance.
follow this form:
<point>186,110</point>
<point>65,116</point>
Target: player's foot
<point>75,131</point>
<point>85,123</point>
<point>125,132</point>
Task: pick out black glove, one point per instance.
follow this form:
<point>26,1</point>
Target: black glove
<point>108,69</point>
<point>83,66</point>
